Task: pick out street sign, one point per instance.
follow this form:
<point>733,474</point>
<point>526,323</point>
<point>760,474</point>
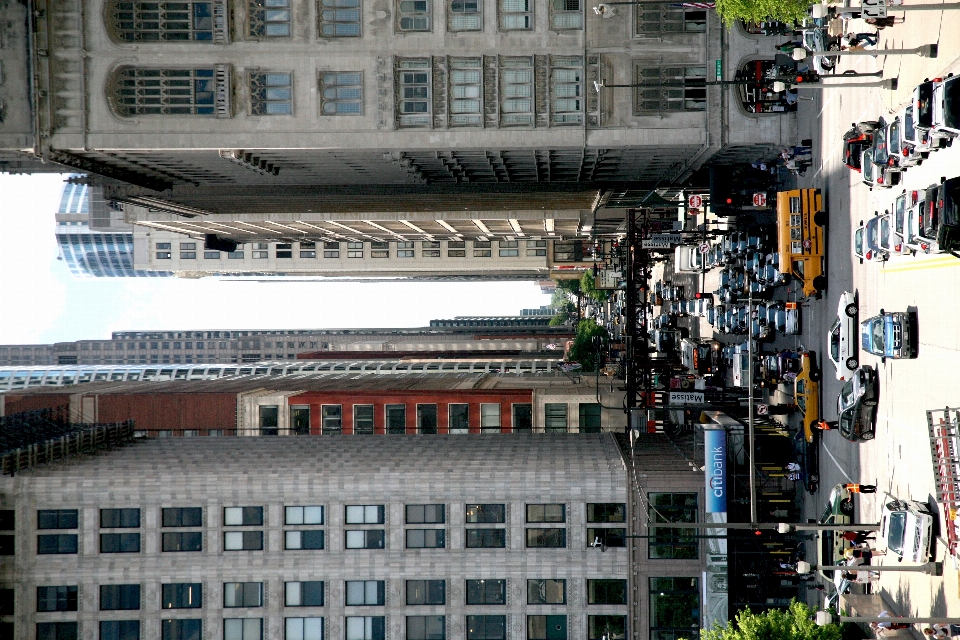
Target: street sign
<point>686,397</point>
<point>759,199</point>
<point>704,247</point>
<point>661,241</point>
<point>693,212</point>
<point>607,279</point>
<point>695,201</point>
<point>763,409</point>
<point>719,69</point>
<point>873,8</point>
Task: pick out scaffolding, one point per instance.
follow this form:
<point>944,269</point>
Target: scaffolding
<point>943,427</point>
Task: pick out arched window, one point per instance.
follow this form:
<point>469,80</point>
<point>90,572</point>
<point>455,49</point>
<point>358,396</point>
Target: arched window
<point>151,91</point>
<point>198,20</point>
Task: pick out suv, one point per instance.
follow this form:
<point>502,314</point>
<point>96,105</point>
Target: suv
<point>922,106</point>
<point>945,207</point>
<point>946,106</point>
<point>907,527</point>
<point>855,140</point>
<point>889,335</point>
<point>857,406</point>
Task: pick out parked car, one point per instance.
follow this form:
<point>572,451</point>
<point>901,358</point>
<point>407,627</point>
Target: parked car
<point>889,335</point>
<point>866,242</point>
<point>874,175</point>
<point>832,545</point>
<point>806,393</point>
<point>842,338</point>
<point>891,243</point>
<point>916,239</point>
<point>817,40</point>
<point>664,321</point>
<point>855,140</point>
<point>781,317</point>
<point>946,106</point>
<point>907,528</point>
<point>922,105</point>
<point>894,145</point>
<point>946,218</point>
<point>857,405</point>
<point>918,140</point>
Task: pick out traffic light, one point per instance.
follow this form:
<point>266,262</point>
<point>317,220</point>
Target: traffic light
<point>808,76</point>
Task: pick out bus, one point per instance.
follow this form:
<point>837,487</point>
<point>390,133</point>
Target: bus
<point>800,241</point>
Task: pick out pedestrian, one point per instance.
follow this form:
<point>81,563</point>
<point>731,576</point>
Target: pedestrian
<point>853,487</point>
<point>793,466</point>
<point>788,46</point>
<point>882,23</point>
<point>858,537</point>
<point>826,426</point>
<point>802,150</point>
<point>869,39</point>
<point>887,626</point>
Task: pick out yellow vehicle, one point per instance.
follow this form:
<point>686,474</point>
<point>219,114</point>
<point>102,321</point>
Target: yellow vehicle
<point>800,241</point>
<point>806,393</point>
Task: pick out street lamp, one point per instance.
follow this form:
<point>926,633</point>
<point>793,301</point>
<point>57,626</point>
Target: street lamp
<point>926,51</point>
<point>823,618</point>
<point>929,568</point>
<point>786,527</point>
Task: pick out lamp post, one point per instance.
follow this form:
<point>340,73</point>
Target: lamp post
<point>823,618</point>
<point>929,568</point>
<point>786,527</point>
<point>925,51</point>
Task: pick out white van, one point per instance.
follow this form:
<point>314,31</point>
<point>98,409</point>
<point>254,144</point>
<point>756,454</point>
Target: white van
<point>907,526</point>
<point>687,259</point>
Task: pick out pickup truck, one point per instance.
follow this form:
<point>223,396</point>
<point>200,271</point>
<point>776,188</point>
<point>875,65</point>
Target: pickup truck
<point>907,527</point>
<point>889,335</point>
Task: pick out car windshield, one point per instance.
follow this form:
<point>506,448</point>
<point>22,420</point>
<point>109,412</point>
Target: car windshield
<point>835,341</point>
<point>908,131</point>
<point>885,232</point>
<point>951,103</point>
<point>899,210</point>
<point>867,165</point>
<point>923,101</point>
<point>880,147</point>
<point>846,423</point>
<point>894,136</point>
<point>847,395</point>
<point>895,531</point>
<point>872,227</point>
<point>876,335</point>
<point>858,241</point>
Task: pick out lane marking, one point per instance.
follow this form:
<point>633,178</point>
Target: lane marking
<point>830,455</point>
<point>938,262</point>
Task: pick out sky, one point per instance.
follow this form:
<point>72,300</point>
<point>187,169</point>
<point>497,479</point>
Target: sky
<point>43,303</point>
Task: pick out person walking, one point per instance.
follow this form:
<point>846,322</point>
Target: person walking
<point>854,487</point>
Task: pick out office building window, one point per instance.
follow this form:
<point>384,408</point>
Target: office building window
<point>188,246</point>
<point>486,627</point>
<point>340,18</point>
<point>144,91</point>
<point>426,591</point>
<point>546,627</point>
<point>380,249</point>
<point>466,94</point>
<point>464,15</point>
<point>211,255</point>
<point>119,518</point>
<point>364,539</point>
<point>299,419</point>
<point>536,248</point>
<point>269,18</point>
<point>57,598</point>
<point>331,418</point>
<point>490,417</point>
<point>606,592</point>
<point>303,629</point>
<point>284,250</point>
<point>458,418</point>
<point>57,519</point>
<point>671,543</point>
<point>162,245</point>
<point>516,87</point>
<point>546,513</point>
<point>656,19</point>
<point>365,593</point>
<point>57,631</point>
<point>364,514</point>
<point>341,93</point>
<point>312,540</point>
<point>331,249</point>
<point>674,608</point>
<point>119,597</point>
<point>549,538</point>
<point>670,89</point>
<point>242,516</point>
<point>481,249</point>
<point>566,82</point>
<point>363,419</point>
<point>566,14</point>
<point>63,543</point>
<point>522,417</point>
<point>365,628</point>
<point>425,513</point>
<point>182,541</point>
<point>396,418</point>
<point>427,418</point>
<point>555,417</point>
<point>354,249</point>
<point>486,538</point>
<point>303,594</point>
<point>486,592</point>
<point>163,21</point>
<point>243,541</point>
<point>589,417</point>
<point>485,513</point>
<point>615,628</point>
<point>182,629</point>
<point>425,538</point>
<point>269,420</point>
<point>426,628</point>
<point>413,90</point>
<point>119,543</point>
<point>235,255</point>
<point>606,512</point>
<point>516,14</point>
<point>181,595</point>
<point>271,94</point>
<point>405,250</point>
<point>303,515</point>
<point>120,630</point>
<point>242,594</point>
<point>182,516</point>
<point>414,15</point>
<point>244,629</point>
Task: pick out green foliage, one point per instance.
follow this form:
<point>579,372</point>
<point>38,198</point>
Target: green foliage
<point>794,623</point>
<point>752,11</point>
<point>590,341</point>
<point>559,319</point>
<point>568,286</point>
<point>589,288</point>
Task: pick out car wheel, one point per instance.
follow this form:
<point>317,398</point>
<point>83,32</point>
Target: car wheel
<point>852,363</point>
<point>820,218</point>
<point>846,506</point>
<point>815,375</point>
<point>851,310</point>
<point>867,435</point>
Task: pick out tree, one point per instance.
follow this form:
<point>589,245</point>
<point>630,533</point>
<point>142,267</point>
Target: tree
<point>588,285</point>
<point>794,623</point>
<point>590,341</point>
<point>753,11</point>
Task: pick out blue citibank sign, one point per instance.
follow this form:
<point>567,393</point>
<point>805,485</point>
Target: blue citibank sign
<point>715,469</point>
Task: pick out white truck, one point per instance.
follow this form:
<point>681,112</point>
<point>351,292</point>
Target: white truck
<point>687,259</point>
<point>907,528</point>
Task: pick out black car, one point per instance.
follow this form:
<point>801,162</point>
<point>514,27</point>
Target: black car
<point>855,140</point>
<point>945,219</point>
<point>857,405</point>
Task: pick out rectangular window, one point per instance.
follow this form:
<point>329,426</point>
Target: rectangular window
<point>244,629</point>
<point>243,541</point>
<point>299,419</point>
<point>425,538</point>
<point>120,630</point>
<point>181,595</point>
<point>456,253</point>
<point>119,518</point>
<point>331,249</point>
<point>312,539</point>
<point>606,512</point>
<point>509,253</point>
<point>426,628</point>
<point>57,543</point>
<point>458,418</point>
<point>589,417</point>
<point>523,417</point>
<point>425,513</point>
<point>365,628</point>
<point>57,631</point>
<point>341,93</point>
<point>566,14</point>
<point>405,250</point>
<point>465,87</point>
<point>331,418</point>
<point>655,19</point>
<point>339,18</point>
<point>269,18</point>
<point>396,418</point>
<point>302,629</point>
<point>303,515</point>
<point>663,89</point>
<point>485,513</point>
<point>243,516</point>
<point>119,543</point>
<point>546,513</point>
<point>555,417</point>
<point>269,420</point>
<point>606,536</point>
<point>516,14</point>
<point>490,417</point>
<point>546,627</point>
<point>233,255</point>
<point>312,254</point>
<point>486,538</point>
<point>271,94</point>
<point>426,418</point>
<point>413,80</point>
<point>180,629</point>
<point>57,519</point>
<point>364,539</point>
<point>486,592</point>
<point>566,76</point>
<point>674,608</point>
<point>606,592</point>
<point>549,538</point>
<point>119,597</point>
<point>57,598</point>
<point>363,419</point>
<point>188,255</point>
<point>380,249</point>
<point>364,514</point>
<point>242,594</point>
<point>464,15</point>
<point>546,591</point>
<point>615,628</point>
<point>186,541</point>
<point>285,250</point>
<point>426,592</point>
<point>303,594</point>
<point>188,246</point>
<point>671,543</point>
<point>354,249</point>
<point>162,245</point>
<point>516,88</point>
<point>211,255</point>
<point>261,255</point>
<point>365,593</point>
<point>414,15</point>
<point>486,627</point>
